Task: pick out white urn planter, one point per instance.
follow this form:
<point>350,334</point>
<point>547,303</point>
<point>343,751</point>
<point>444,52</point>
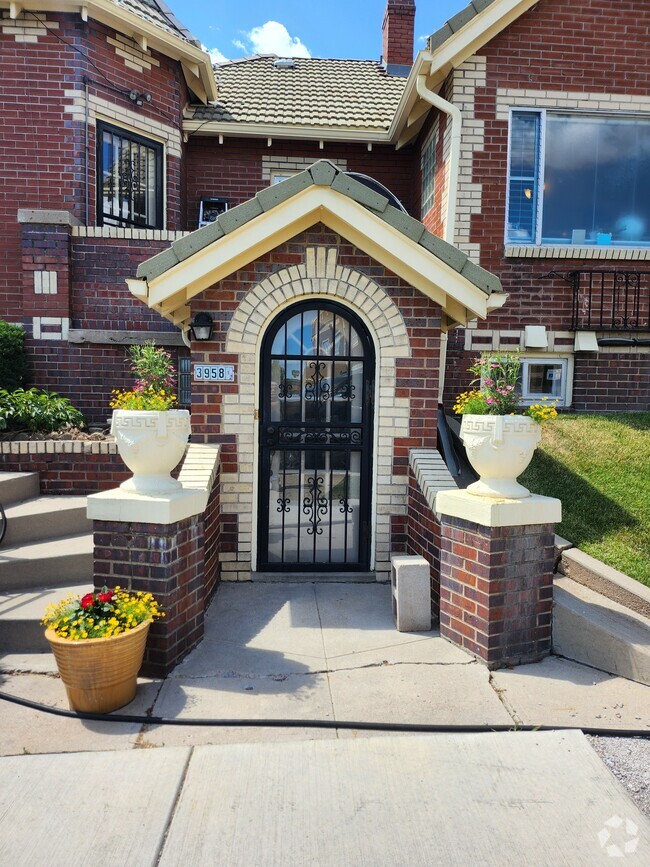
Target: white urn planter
<point>499,447</point>
<point>151,443</point>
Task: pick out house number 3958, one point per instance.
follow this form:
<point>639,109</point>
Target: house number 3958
<point>214,372</point>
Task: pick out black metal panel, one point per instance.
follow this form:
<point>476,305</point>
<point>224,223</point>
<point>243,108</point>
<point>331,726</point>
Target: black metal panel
<point>316,439</point>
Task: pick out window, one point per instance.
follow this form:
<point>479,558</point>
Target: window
<point>428,165</point>
<point>184,381</point>
<point>278,177</point>
<point>129,179</point>
<point>578,179</point>
<point>544,378</point>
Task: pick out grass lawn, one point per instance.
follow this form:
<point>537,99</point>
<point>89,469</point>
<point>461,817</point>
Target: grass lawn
<point>599,466</point>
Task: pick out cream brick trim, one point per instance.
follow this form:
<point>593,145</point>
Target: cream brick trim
<point>59,447</point>
<point>102,109</point>
<point>46,282</point>
<point>127,234</point>
<point>50,328</point>
<point>272,164</point>
<point>134,56</point>
<point>596,252</point>
<point>461,91</point>
<point>504,340</point>
<point>319,276</point>
<point>612,103</point>
<point>26,27</point>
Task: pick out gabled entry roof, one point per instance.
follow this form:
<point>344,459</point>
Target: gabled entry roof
<point>168,281</point>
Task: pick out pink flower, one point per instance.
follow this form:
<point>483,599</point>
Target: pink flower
<point>489,382</point>
<point>490,400</point>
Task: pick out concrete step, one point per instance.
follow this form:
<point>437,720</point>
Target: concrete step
<point>597,631</point>
<point>21,630</point>
<point>15,487</point>
<point>45,518</point>
<point>51,563</point>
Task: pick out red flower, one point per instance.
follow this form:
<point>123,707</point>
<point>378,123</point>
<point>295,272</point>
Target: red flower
<point>87,601</point>
<point>106,597</point>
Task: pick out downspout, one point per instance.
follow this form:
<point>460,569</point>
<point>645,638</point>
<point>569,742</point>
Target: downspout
<point>456,119</point>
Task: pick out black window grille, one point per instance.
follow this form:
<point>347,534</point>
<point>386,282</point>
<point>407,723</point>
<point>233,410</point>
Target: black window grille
<point>129,179</point>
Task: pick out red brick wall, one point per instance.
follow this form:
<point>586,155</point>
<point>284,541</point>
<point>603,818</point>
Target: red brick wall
<point>166,561</point>
<point>496,590</point>
<point>68,472</point>
<point>581,47</point>
<point>423,538</point>
<point>234,169</point>
<point>42,148</point>
<point>613,382</point>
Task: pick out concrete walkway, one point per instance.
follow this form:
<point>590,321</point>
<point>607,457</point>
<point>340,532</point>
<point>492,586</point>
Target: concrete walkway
<point>235,796</point>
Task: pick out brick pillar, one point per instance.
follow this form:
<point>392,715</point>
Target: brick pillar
<point>166,560</point>
<point>496,575</point>
<point>397,33</point>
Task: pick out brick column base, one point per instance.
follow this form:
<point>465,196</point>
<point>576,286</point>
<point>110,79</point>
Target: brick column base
<point>166,560</point>
<point>496,576</point>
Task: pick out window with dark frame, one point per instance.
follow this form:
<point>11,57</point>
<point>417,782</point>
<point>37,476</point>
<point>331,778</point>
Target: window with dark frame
<point>184,381</point>
<point>129,179</point>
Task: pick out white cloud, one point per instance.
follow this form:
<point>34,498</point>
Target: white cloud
<point>274,38</point>
<point>215,55</point>
<point>239,44</point>
<point>422,40</point>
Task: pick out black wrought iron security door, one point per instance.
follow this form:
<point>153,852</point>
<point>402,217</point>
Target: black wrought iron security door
<point>316,441</point>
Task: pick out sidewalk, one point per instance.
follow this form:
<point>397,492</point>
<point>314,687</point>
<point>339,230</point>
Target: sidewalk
<point>320,651</point>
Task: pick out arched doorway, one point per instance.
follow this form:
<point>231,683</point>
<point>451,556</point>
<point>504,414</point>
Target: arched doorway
<point>316,440</point>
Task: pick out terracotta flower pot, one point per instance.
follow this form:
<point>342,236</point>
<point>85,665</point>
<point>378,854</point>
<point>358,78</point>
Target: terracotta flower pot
<point>499,447</point>
<point>151,443</point>
<point>100,674</point>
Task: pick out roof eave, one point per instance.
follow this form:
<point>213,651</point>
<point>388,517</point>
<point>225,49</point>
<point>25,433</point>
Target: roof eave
<point>170,292</point>
<point>196,64</point>
<point>448,55</point>
<point>286,131</point>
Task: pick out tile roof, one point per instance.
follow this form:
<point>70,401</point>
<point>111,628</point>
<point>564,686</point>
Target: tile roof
<point>454,24</point>
<point>316,92</point>
<point>324,174</point>
<point>157,13</point>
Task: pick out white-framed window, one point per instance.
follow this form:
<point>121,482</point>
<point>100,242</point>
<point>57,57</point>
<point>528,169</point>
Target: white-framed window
<point>578,179</point>
<point>546,376</point>
<point>428,166</point>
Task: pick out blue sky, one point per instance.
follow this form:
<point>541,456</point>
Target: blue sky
<point>335,28</point>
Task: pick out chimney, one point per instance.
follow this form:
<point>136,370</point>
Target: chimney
<point>398,31</point>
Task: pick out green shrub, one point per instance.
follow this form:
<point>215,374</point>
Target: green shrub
<point>13,357</point>
<point>36,410</point>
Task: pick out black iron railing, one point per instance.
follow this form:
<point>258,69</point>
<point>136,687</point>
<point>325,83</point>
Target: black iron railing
<point>609,300</point>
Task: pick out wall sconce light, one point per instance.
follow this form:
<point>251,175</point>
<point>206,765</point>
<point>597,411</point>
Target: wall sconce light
<point>201,327</point>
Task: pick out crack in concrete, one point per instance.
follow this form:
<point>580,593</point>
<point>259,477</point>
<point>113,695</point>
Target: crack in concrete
<point>500,693</point>
<point>281,676</point>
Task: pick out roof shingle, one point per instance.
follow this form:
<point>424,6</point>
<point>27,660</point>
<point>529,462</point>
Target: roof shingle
<point>315,92</point>
<point>157,13</point>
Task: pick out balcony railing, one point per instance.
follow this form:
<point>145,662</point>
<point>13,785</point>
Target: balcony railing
<point>609,300</point>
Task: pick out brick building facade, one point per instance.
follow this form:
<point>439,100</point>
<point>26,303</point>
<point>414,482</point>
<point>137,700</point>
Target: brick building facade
<point>109,166</point>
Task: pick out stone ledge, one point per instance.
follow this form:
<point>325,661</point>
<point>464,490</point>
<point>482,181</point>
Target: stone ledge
<point>197,477</point>
<point>489,512</point>
<point>47,217</point>
<point>586,570</point>
<point>431,474</point>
